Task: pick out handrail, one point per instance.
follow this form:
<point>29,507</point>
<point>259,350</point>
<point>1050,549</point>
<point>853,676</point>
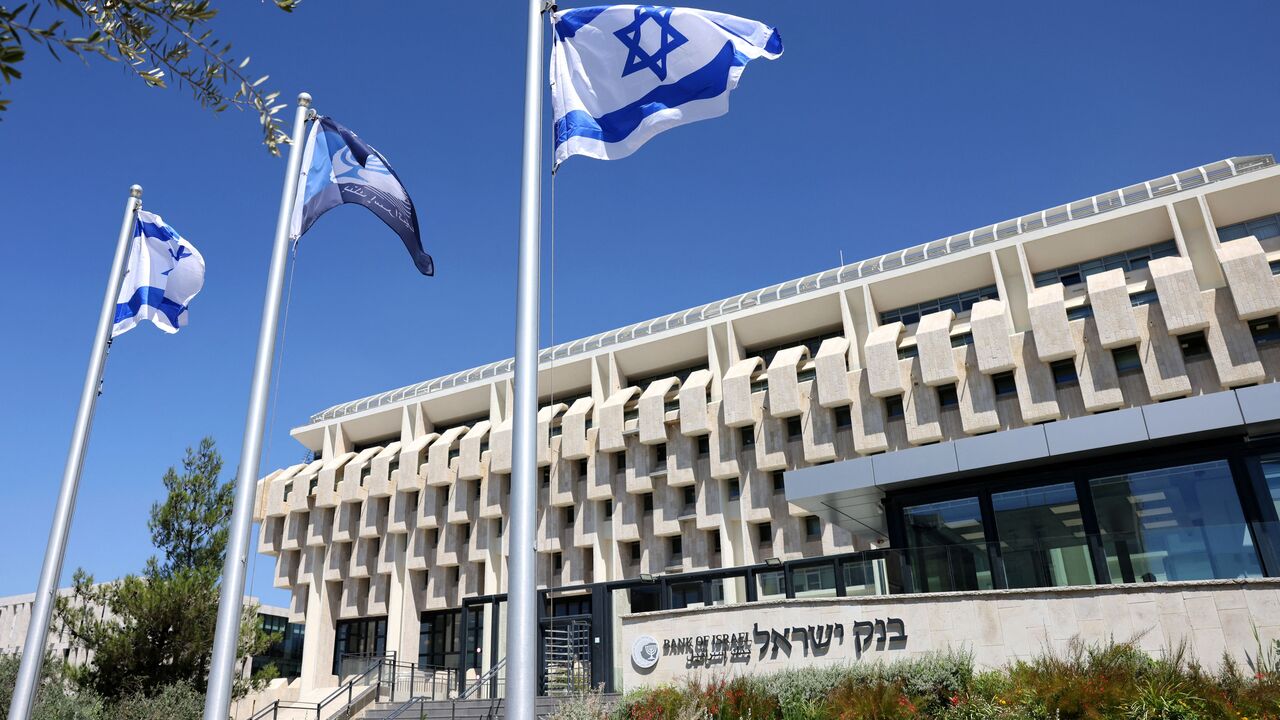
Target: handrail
<point>489,675</point>
<point>347,688</point>
<point>466,693</point>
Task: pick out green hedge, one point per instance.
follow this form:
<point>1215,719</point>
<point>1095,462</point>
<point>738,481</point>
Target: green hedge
<point>1086,682</point>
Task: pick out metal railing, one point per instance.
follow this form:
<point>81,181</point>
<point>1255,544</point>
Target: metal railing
<point>471,692</point>
<point>1088,207</point>
<point>383,678</point>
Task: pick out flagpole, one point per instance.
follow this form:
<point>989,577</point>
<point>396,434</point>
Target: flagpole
<point>522,594</point>
<point>24,691</point>
<point>217,702</point>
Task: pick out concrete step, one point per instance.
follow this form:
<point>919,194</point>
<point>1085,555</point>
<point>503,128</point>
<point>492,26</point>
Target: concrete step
<point>462,710</point>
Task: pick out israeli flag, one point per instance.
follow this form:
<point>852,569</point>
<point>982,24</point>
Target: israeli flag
<point>338,167</point>
<point>624,73</point>
<point>164,273</point>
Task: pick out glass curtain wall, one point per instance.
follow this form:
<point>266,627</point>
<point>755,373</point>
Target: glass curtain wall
<point>1179,523</point>
<point>948,546</point>
<point>1042,537</point>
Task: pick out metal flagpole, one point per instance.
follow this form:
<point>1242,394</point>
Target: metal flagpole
<point>217,702</point>
<point>522,594</point>
<point>24,691</point>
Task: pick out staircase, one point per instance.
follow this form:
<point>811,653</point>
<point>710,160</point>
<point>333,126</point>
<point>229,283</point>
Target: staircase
<point>494,709</point>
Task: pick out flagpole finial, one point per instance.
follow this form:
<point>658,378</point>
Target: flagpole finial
<point>135,191</point>
<point>304,99</point>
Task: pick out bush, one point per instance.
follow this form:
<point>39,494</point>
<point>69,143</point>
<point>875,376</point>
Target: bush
<point>1112,680</point>
<point>172,702</point>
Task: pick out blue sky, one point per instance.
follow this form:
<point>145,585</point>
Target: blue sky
<point>883,125</point>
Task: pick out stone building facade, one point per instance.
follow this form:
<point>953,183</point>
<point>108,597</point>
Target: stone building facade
<point>868,430</point>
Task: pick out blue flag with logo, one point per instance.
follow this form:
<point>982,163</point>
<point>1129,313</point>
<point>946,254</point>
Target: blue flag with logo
<point>624,73</point>
<point>338,167</point>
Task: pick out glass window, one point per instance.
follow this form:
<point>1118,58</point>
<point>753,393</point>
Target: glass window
<point>769,585</point>
<point>438,645</point>
<point>686,594</point>
<point>365,638</point>
<point>815,581</point>
<point>948,546</point>
<point>1179,523</point>
<point>1271,472</point>
<point>865,577</point>
<point>1042,537</point>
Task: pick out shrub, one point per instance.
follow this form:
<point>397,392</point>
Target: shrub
<point>582,706</point>
<point>876,700</point>
<point>741,698</point>
<point>178,701</point>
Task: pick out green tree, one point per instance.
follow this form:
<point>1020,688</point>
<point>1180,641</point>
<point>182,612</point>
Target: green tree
<point>156,40</point>
<point>156,630</point>
<point>55,699</point>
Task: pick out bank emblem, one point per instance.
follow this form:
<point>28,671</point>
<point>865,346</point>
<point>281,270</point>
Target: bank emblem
<point>644,653</point>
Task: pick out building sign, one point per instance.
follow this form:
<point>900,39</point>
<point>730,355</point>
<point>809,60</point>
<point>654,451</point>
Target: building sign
<point>772,643</point>
<point>644,652</point>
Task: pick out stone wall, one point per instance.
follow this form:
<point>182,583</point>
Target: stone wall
<point>996,626</point>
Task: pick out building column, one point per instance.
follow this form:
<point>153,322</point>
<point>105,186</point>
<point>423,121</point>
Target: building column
<point>317,650</point>
<point>402,615</point>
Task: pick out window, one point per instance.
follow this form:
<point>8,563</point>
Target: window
<point>1004,384</point>
<point>812,343</point>
<point>1064,372</point>
<point>677,549</point>
<point>779,482</point>
<point>1127,360</point>
<point>908,352</point>
<point>557,563</point>
<point>439,639</point>
<point>466,533</point>
<point>685,594</point>
<point>1178,523</point>
<point>582,469</point>
<point>1265,330</point>
<point>893,407</point>
<point>393,466</point>
<point>648,502</point>
<point>546,477</point>
<point>961,340</point>
<point>704,446</point>
<point>475,487</point>
<point>608,508</point>
<point>959,303</point>
<point>1194,345</point>
<point>770,584</point>
<point>947,396</point>
<point>812,528</point>
<point>660,454</point>
<point>817,581</point>
<point>794,428</point>
<point>364,638</point>
<point>1128,261</point>
<point>1042,537</point>
<point>844,418</point>
<point>735,489</point>
<point>690,498</point>
<point>568,516</point>
<point>620,462</point>
<point>747,435</point>
<point>865,577</point>
<point>1079,312</point>
<point>1146,297</point>
<point>715,541</point>
<point>948,547</point>
<point>1271,473</point>
<point>635,551</point>
<point>764,533</point>
<point>1267,226</point>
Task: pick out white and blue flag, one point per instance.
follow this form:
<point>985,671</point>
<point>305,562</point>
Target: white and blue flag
<point>338,167</point>
<point>624,73</point>
<point>163,274</point>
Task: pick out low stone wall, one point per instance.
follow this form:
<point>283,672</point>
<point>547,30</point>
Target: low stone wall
<point>996,626</point>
